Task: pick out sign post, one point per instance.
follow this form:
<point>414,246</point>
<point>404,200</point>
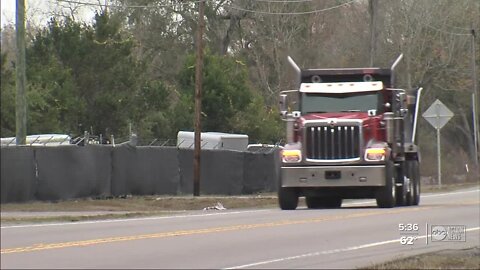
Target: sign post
<point>439,160</point>
<point>438,115</point>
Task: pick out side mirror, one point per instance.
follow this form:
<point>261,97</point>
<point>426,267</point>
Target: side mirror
<point>401,99</point>
<point>283,104</point>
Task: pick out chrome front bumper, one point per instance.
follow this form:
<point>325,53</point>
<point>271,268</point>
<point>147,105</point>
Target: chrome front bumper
<point>333,176</point>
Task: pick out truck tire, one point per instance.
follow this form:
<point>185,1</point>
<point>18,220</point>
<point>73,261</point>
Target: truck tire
<point>386,195</point>
<point>410,194</point>
<point>402,191</point>
<point>287,198</point>
<point>320,202</point>
<point>401,195</point>
<point>415,179</point>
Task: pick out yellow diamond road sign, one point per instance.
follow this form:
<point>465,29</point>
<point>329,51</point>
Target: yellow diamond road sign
<point>437,114</point>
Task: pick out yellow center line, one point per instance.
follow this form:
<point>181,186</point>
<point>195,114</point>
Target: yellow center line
<point>38,247</point>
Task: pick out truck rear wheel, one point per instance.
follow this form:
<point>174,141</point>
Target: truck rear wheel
<point>410,194</point>
<point>320,202</point>
<point>401,195</point>
<point>402,191</point>
<point>414,172</point>
<point>287,198</point>
<point>386,195</point>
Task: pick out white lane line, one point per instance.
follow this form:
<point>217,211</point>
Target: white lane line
<point>422,196</point>
<point>130,219</point>
<point>452,193</point>
<point>313,254</point>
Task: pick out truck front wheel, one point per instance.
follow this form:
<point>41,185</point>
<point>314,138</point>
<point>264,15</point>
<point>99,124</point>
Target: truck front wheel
<point>287,198</point>
<point>386,195</point>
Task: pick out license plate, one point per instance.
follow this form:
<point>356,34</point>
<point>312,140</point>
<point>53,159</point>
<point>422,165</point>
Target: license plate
<point>333,175</point>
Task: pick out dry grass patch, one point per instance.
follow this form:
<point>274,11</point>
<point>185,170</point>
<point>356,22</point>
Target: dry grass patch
<point>449,187</point>
<point>75,217</point>
<point>124,207</point>
<point>445,259</point>
<point>145,203</point>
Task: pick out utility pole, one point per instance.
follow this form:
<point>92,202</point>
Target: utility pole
<point>20,99</point>
<point>198,99</point>
<point>373,25</point>
<point>475,99</point>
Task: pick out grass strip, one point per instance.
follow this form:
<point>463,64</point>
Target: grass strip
<point>445,259</point>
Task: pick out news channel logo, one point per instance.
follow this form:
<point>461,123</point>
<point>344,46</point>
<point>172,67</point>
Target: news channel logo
<point>448,233</point>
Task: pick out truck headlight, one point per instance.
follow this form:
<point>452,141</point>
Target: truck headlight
<point>291,156</point>
<point>375,154</point>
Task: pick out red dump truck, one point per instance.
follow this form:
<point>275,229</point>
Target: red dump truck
<point>351,135</point>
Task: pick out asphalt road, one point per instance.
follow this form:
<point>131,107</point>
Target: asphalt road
<point>356,235</point>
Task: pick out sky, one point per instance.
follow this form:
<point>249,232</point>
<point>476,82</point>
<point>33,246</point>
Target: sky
<point>7,11</point>
<point>39,11</point>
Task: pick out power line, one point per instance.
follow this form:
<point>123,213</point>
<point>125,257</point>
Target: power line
<point>463,28</point>
<point>190,2</point>
<point>122,6</point>
<point>444,31</point>
<point>284,1</point>
<point>291,13</point>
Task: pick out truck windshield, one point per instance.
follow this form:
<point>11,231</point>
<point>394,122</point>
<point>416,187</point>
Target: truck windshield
<point>348,102</point>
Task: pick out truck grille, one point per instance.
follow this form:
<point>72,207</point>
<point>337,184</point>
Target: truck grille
<point>338,142</point>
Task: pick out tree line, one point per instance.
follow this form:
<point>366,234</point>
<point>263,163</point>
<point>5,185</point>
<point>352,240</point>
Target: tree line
<point>132,66</point>
<point>91,78</point>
